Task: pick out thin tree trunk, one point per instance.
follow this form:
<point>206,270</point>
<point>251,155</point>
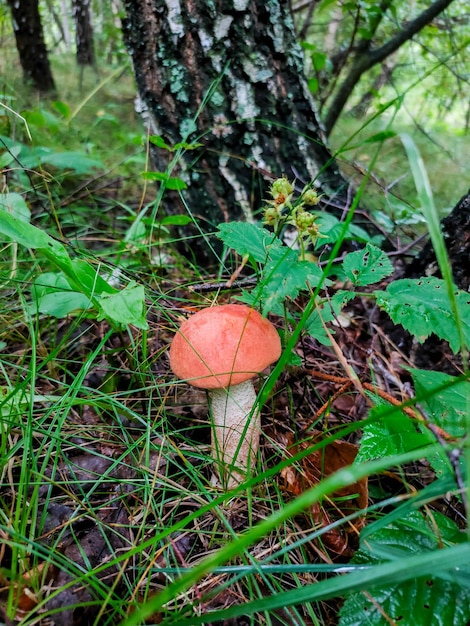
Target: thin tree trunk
<point>229,75</point>
<point>30,44</point>
<point>83,33</point>
<point>65,24</point>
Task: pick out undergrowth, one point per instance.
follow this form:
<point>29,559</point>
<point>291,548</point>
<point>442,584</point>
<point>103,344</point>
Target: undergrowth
<point>357,508</point>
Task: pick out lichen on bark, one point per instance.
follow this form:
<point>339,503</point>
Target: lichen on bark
<point>260,121</point>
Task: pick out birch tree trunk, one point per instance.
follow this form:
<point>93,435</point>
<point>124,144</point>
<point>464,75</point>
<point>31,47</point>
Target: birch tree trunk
<point>228,74</point>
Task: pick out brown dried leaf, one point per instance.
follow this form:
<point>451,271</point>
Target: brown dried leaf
<point>313,468</point>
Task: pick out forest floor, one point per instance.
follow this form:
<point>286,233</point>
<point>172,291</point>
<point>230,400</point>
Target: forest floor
<point>106,495</point>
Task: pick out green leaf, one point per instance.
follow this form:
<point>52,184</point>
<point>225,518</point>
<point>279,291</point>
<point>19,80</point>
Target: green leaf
<point>176,220</point>
<point>248,239</point>
<point>318,60</point>
<point>62,108</point>
<point>6,158</point>
<point>367,266</point>
<point>313,85</point>
<point>175,184</point>
<point>42,119</point>
<point>422,307</point>
<point>314,326</point>
<point>78,162</point>
<point>52,295</point>
<point>283,275</point>
<point>325,313</point>
<point>429,210</point>
<point>184,145</point>
<point>126,306</point>
<point>89,278</point>
<point>284,279</point>
<point>380,137</point>
<point>331,229</point>
<point>15,205</point>
<point>158,141</point>
<point>390,432</point>
<point>26,234</point>
<point>394,432</point>
<point>445,398</point>
<point>440,598</point>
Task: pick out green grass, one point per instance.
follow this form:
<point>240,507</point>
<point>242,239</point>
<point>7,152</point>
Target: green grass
<point>106,505</point>
<point>391,190</point>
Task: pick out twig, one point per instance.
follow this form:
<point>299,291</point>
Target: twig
<point>409,411</point>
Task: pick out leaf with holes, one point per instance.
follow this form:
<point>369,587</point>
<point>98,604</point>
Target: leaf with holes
<point>422,307</point>
<point>367,266</point>
<point>440,599</point>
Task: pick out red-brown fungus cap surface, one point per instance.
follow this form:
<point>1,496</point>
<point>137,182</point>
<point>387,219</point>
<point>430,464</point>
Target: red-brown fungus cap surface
<point>223,345</point>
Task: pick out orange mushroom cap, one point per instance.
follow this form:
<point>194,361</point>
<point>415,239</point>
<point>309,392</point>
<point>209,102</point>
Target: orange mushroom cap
<point>223,345</point>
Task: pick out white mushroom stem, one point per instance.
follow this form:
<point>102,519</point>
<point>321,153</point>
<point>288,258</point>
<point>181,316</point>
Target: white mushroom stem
<point>235,432</point>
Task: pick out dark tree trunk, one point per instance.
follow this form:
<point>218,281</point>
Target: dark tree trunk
<point>228,74</point>
<point>83,33</point>
<point>30,43</point>
<point>435,353</point>
<point>456,231</point>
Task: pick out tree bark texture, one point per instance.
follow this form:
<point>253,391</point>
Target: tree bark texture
<point>435,353</point>
<point>30,43</point>
<point>83,33</point>
<point>456,232</point>
<point>228,74</point>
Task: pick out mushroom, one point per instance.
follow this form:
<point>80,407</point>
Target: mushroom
<point>221,349</point>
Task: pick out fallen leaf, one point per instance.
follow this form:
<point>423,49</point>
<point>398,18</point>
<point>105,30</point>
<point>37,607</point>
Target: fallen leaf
<point>310,470</point>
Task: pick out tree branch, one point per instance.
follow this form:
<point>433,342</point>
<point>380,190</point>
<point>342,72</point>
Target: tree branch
<point>366,58</point>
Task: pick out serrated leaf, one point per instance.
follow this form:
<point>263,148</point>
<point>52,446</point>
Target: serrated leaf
<point>439,599</point>
<point>325,313</point>
<point>445,398</point>
<point>391,432</point>
<point>422,307</point>
<point>367,266</point>
<point>126,306</point>
<point>285,282</point>
<point>281,281</point>
<point>314,326</point>
<point>251,239</point>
